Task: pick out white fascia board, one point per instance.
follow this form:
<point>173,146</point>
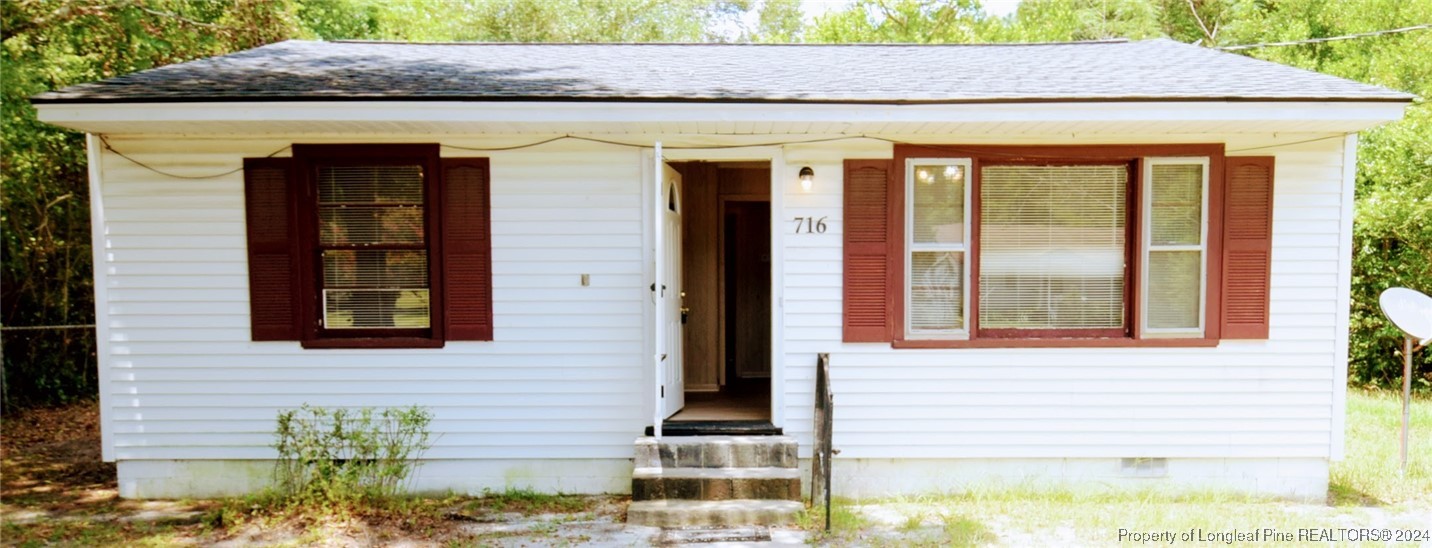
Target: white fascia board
<point>77,115</point>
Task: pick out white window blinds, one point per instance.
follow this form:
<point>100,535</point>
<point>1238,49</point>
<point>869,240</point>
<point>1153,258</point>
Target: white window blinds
<point>1175,204</point>
<point>1052,247</point>
<point>937,232</point>
<point>373,246</point>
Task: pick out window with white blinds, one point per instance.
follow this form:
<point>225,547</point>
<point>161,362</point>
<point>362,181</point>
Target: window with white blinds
<point>1175,220</point>
<point>373,247</point>
<point>937,230</point>
<point>1052,247</point>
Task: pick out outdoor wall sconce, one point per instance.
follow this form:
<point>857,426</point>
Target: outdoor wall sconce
<point>807,178</point>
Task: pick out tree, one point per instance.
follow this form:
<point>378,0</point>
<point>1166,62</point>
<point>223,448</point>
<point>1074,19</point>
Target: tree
<point>44,207</point>
<point>905,21</point>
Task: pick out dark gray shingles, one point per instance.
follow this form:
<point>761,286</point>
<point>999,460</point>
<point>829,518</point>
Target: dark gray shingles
<point>1103,71</point>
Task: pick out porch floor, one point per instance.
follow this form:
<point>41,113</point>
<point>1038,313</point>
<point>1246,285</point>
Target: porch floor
<point>753,404</point>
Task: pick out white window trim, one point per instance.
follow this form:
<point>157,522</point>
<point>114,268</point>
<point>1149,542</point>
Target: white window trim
<point>1146,213</point>
<point>963,248</point>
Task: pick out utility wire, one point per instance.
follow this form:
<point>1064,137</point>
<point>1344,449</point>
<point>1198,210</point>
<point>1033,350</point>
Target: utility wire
<point>945,148</point>
<point>175,175</point>
<point>1327,39</point>
<point>1343,136</point>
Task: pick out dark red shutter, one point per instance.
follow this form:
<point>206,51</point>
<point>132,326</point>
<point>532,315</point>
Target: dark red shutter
<point>867,251</point>
<point>1247,246</point>
<point>270,208</point>
<point>467,249</point>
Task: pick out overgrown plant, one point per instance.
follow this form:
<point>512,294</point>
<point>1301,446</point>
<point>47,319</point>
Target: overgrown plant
<point>348,455</point>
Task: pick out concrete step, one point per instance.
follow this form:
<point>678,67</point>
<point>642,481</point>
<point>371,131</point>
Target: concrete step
<point>717,452</point>
<point>695,513</point>
<point>716,483</point>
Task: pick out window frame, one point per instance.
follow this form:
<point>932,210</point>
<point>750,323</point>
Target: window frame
<point>309,159</point>
<point>1147,246</point>
<point>911,247</point>
<point>1136,155</point>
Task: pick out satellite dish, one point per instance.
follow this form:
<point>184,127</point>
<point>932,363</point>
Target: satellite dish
<point>1410,310</point>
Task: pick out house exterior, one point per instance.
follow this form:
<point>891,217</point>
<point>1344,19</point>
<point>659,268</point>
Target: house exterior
<point>1098,264</point>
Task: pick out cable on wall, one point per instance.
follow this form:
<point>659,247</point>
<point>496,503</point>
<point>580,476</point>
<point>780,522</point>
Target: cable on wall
<point>148,167</point>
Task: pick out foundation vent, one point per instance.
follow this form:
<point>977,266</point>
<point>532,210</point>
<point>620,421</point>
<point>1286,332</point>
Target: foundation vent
<point>1143,467</point>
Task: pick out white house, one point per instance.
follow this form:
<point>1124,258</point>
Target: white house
<point>1106,264</point>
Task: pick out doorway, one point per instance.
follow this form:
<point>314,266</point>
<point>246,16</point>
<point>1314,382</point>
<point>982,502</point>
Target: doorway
<point>726,277</point>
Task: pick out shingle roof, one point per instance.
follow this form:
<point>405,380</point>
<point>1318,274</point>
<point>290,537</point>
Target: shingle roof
<point>1153,70</point>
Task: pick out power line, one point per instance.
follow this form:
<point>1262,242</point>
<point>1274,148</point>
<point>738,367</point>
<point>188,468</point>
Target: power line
<point>1327,39</point>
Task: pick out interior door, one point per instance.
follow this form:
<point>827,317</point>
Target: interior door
<point>673,376</point>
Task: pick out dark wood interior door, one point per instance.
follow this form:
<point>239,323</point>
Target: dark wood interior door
<point>748,289</point>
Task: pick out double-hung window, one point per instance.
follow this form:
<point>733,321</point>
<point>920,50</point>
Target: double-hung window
<point>1175,246</point>
<point>938,259</point>
<point>365,245</point>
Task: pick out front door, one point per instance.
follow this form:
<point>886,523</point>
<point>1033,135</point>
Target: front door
<point>673,390</point>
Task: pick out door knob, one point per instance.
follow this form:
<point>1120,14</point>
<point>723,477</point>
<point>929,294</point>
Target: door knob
<point>684,312</point>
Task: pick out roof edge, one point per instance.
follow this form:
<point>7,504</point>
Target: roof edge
<point>41,99</point>
<point>740,44</point>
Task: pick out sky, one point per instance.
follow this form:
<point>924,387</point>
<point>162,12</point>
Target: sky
<point>814,8</point>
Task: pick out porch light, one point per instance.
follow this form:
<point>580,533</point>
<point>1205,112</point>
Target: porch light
<point>807,178</point>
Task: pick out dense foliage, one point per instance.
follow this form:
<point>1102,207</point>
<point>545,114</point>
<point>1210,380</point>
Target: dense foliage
<point>48,44</point>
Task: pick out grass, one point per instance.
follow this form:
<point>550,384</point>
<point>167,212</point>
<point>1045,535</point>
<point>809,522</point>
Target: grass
<point>1370,474</point>
<point>1365,490</point>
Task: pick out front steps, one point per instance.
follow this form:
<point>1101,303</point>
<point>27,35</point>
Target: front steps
<point>715,481</point>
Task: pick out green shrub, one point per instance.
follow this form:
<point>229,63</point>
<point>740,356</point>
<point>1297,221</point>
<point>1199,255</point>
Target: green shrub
<point>346,455</point>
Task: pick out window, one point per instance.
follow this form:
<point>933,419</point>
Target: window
<point>1052,248</point>
<point>373,247</point>
<point>937,262</point>
<point>1030,247</point>
<point>372,212</point>
<point>369,245</point>
<point>949,246</point>
<point>1175,246</point>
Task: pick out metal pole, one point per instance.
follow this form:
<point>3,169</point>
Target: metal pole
<point>1406,396</point>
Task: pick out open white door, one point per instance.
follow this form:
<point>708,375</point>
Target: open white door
<point>669,295</point>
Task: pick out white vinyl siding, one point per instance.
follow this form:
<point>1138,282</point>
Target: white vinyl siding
<point>1175,246</point>
<point>563,378</point>
<point>1253,399</point>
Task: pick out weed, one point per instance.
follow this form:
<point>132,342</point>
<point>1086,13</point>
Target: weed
<point>963,531</point>
<point>529,501</point>
<point>341,455</point>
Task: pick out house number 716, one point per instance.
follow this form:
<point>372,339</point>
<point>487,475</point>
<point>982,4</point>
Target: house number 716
<point>810,225</point>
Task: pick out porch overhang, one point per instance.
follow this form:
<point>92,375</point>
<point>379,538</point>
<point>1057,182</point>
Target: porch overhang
<point>733,122</point>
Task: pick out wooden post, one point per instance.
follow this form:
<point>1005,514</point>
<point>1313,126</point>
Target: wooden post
<point>823,449</point>
<point>1406,395</point>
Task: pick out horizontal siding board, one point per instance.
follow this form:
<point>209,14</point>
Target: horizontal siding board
<point>515,402</point>
<point>457,355</point>
<point>477,411</point>
<point>260,349</point>
<point>509,377</point>
<point>359,388</point>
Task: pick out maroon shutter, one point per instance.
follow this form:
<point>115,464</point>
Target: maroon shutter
<point>1247,246</point>
<point>271,214</point>
<point>867,251</point>
<point>467,249</point>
